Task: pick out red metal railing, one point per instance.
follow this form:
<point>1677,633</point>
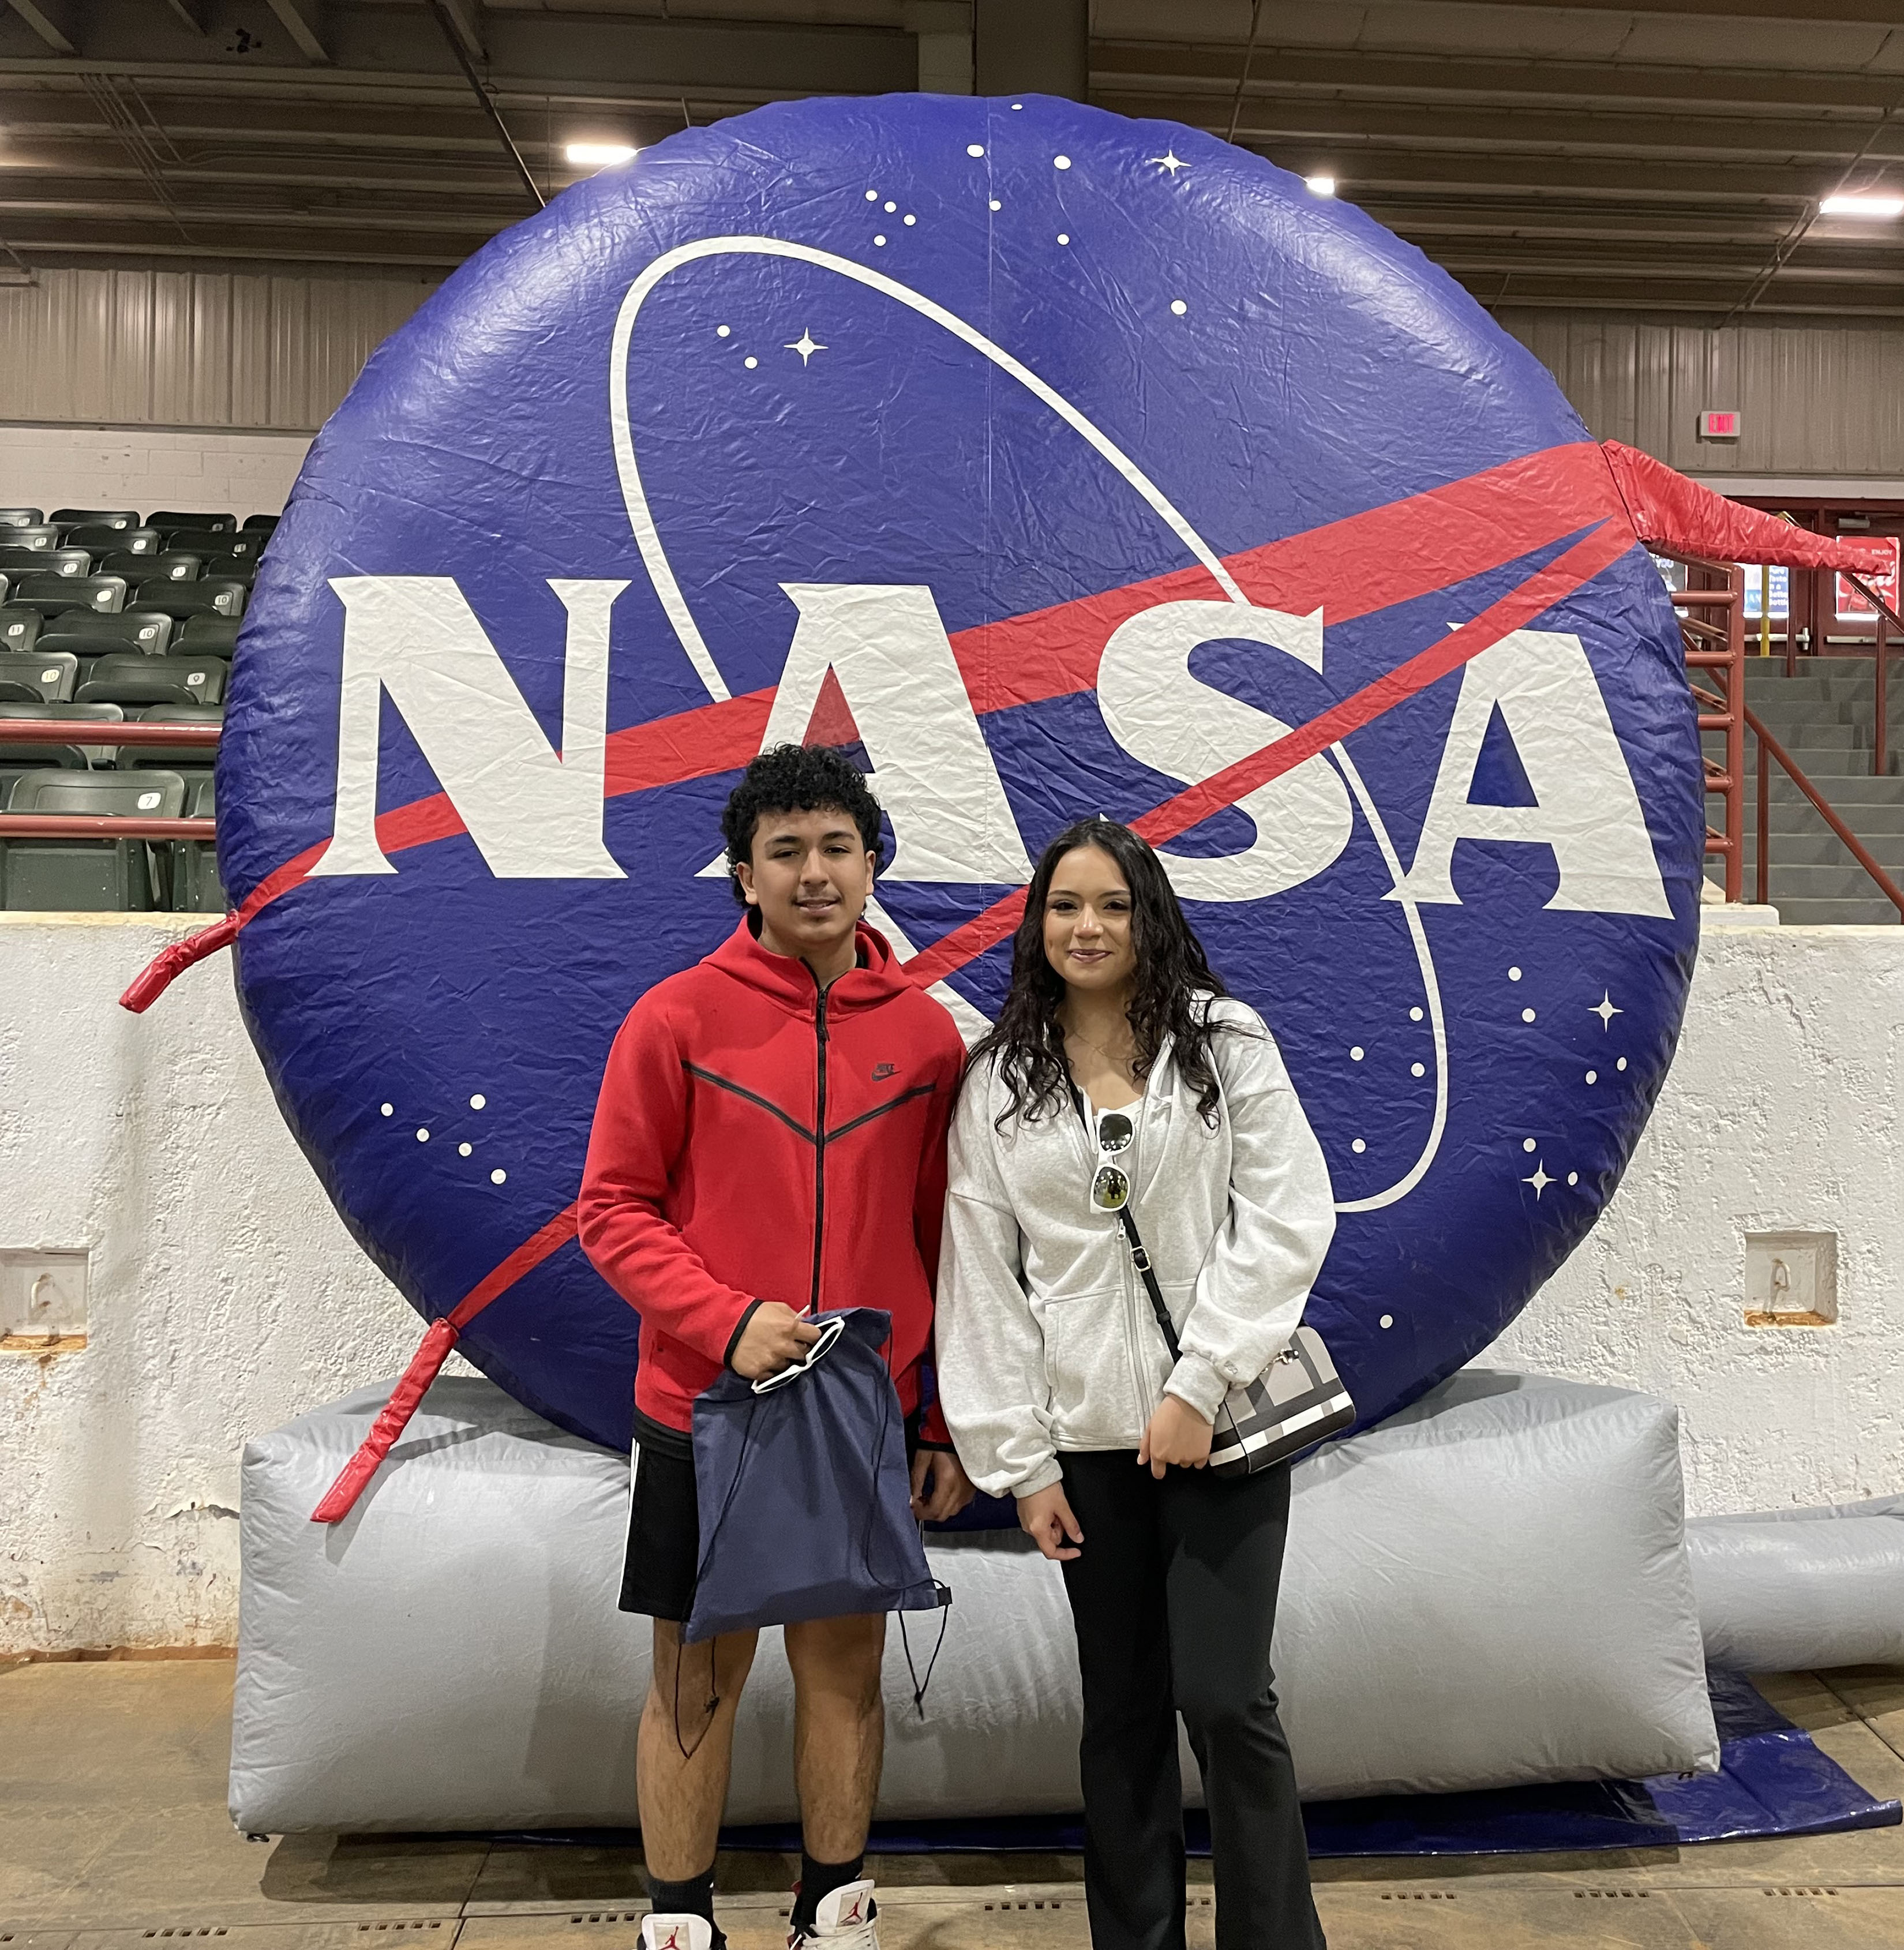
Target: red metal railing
<point>1768,744</point>
<point>1712,627</point>
<point>103,731</point>
<point>1887,619</point>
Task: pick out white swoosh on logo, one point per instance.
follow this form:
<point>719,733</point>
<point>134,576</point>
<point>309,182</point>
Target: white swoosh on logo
<point>674,603</point>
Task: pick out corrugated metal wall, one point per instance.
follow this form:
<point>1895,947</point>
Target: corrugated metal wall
<point>1817,399</point>
<point>142,347</point>
<point>191,348</point>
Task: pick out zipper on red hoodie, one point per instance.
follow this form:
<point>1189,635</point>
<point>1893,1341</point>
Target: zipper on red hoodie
<point>819,1139</point>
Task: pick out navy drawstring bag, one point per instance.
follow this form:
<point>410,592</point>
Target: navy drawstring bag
<point>805,1499</point>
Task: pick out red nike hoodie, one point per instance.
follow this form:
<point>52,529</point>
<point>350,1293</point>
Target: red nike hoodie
<point>757,1140</point>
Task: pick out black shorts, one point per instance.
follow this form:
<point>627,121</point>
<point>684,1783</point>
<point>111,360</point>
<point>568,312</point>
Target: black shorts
<point>664,1557</point>
<point>664,1536</point>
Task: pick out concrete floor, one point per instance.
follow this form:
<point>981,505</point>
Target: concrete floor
<point>113,1833</point>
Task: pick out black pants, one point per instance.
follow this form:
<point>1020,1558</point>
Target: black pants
<point>1174,1599</point>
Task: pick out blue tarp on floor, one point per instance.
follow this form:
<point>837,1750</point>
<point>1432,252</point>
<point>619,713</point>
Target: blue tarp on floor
<point>1772,1780</point>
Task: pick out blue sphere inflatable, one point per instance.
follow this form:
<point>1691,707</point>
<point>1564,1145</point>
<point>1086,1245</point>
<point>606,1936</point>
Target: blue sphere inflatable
<point>1053,463</point>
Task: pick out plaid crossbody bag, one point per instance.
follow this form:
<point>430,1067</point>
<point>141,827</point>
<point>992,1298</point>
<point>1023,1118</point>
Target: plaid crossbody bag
<point>1297,1402</point>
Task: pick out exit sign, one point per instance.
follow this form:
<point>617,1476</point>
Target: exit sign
<point>1718,426</point>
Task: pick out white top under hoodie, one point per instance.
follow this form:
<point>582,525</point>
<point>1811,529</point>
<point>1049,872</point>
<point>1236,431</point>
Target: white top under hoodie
<point>1046,1341</point>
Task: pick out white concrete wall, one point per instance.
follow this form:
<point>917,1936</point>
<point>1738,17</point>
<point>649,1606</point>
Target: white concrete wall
<point>149,468</point>
<point>227,1296</point>
<point>1782,1112</point>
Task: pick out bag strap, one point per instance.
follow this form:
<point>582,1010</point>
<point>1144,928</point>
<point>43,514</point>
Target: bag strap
<point>1140,1258</point>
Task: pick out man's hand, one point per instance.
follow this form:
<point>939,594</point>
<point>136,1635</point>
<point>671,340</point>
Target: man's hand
<point>1177,1434</point>
<point>776,1338</point>
<point>940,1486</point>
<point>1045,1517</point>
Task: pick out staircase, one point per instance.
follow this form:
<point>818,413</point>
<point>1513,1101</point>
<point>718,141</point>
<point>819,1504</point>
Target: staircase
<point>1824,718</point>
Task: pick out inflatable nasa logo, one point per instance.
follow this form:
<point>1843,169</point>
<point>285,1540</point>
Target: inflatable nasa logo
<point>1054,464</point>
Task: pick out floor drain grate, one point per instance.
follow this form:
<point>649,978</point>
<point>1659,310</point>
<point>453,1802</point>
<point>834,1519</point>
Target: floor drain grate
<point>367,1929</point>
<point>1613,1895</point>
<point>611,1916</point>
<point>1799,1891</point>
<point>189,1929</point>
<point>1056,1902</point>
<point>1416,1895</point>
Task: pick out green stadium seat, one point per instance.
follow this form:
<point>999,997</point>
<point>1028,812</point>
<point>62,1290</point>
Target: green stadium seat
<point>20,518</point>
<point>207,636</point>
<point>113,541</point>
<point>24,758</point>
<point>95,518</point>
<point>89,876</point>
<point>88,635</point>
<point>196,887</point>
<point>33,535</point>
<point>45,561</point>
<point>169,519</point>
<point>233,568</point>
<point>117,679</point>
<point>19,626</point>
<point>207,542</point>
<point>204,598</point>
<point>50,594</point>
<point>267,523</point>
<point>39,677</point>
<point>170,565</point>
<point>184,759</point>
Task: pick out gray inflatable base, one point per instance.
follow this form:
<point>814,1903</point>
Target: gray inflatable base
<point>1491,1588</point>
<point>1793,1590</point>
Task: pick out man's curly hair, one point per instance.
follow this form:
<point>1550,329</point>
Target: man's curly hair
<point>797,778</point>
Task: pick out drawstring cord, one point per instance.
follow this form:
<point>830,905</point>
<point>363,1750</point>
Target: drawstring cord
<point>713,1706</point>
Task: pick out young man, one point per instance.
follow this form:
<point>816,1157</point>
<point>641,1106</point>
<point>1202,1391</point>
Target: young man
<point>769,1144</point>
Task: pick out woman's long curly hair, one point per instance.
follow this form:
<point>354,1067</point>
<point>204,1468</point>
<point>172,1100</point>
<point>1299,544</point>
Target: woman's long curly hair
<point>1173,983</point>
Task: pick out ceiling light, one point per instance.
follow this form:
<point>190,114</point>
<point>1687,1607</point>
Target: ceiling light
<point>1863,206</point>
<point>599,155</point>
<point>1320,185</point>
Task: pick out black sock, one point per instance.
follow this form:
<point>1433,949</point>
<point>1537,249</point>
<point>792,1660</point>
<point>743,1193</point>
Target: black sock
<point>695,1897</point>
<point>818,1881</point>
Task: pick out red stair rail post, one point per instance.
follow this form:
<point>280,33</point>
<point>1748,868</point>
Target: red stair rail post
<point>1720,646</point>
<point>1762,876</point>
<point>1880,730</point>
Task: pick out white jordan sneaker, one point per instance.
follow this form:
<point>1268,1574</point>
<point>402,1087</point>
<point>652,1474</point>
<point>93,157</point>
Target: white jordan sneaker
<point>843,1921</point>
<point>676,1933</point>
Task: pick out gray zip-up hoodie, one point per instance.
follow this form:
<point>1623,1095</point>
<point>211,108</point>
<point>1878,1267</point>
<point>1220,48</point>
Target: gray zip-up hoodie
<point>1046,1339</point>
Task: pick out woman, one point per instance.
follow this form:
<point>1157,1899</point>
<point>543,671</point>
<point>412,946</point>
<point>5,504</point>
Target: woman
<point>1119,1070</point>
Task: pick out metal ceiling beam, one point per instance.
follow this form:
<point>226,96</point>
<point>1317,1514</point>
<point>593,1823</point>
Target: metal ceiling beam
<point>1816,141</point>
<point>304,21</point>
<point>55,22</point>
<point>377,42</point>
<point>1810,13</point>
<point>445,119</point>
<point>1356,73</point>
<point>465,17</point>
<point>1395,166</point>
<point>446,20</point>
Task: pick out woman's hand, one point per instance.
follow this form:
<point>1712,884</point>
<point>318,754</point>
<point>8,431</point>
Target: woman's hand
<point>940,1486</point>
<point>1046,1518</point>
<point>1177,1435</point>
